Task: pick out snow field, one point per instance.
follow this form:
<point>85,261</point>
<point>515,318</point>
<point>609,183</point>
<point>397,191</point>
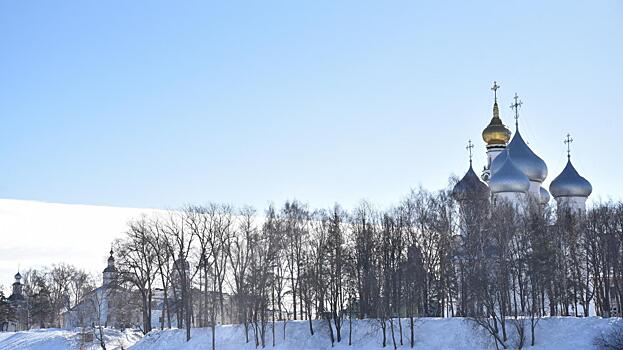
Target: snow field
<point>61,339</point>
<point>556,333</point>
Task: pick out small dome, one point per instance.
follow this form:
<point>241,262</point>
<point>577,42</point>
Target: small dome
<point>110,269</point>
<point>526,160</point>
<point>508,178</point>
<point>470,187</point>
<point>18,276</point>
<point>496,133</point>
<point>543,196</point>
<point>570,184</point>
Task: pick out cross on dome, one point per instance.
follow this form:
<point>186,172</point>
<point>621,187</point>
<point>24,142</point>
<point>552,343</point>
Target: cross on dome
<point>568,141</point>
<point>469,148</point>
<point>516,107</point>
<point>495,88</point>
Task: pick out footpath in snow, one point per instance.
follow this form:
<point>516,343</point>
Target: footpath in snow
<point>556,333</point>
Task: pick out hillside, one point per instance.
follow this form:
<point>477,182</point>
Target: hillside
<point>61,339</point>
<point>555,333</point>
<point>40,234</point>
<point>432,333</point>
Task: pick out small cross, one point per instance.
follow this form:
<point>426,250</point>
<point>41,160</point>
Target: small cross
<point>469,148</point>
<point>568,141</point>
<point>516,107</point>
<point>495,88</point>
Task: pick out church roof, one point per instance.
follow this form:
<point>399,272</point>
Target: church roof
<point>526,160</point>
<point>570,184</point>
<point>508,177</point>
<point>470,187</point>
<point>15,297</point>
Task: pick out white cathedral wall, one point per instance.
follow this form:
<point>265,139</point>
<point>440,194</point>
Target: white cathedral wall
<point>535,189</point>
<point>518,199</point>
<point>493,152</point>
<point>575,203</point>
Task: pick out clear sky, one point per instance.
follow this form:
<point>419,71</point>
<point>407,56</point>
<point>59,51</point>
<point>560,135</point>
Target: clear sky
<point>162,103</point>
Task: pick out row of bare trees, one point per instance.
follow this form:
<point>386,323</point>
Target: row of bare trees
<point>47,292</point>
<point>501,268</point>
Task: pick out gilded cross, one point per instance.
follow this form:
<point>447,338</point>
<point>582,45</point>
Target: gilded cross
<point>568,141</point>
<point>495,88</point>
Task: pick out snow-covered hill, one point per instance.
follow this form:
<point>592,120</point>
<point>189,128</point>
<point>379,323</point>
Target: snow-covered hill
<point>431,333</point>
<point>37,234</point>
<point>60,339</point>
<point>556,333</point>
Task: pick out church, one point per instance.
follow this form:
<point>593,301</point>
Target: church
<point>105,305</point>
<point>515,174</point>
<point>18,304</point>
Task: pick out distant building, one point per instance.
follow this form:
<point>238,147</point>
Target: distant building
<point>106,305</point>
<point>112,305</point>
<point>18,304</point>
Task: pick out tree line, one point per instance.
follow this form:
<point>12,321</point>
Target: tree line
<point>502,268</point>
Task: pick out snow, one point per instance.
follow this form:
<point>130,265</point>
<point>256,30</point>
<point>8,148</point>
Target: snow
<point>431,333</point>
<point>555,333</point>
<point>60,339</point>
<point>36,234</point>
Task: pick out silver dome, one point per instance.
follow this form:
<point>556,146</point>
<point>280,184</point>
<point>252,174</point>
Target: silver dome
<point>570,184</point>
<point>508,178</point>
<point>543,196</point>
<point>470,187</point>
<point>526,160</point>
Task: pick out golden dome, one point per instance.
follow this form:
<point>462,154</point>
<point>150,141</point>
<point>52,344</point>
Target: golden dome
<point>496,133</point>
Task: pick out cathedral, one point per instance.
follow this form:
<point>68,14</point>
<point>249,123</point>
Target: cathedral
<point>515,174</point>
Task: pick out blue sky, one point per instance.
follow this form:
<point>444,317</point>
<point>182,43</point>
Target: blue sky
<point>162,103</point>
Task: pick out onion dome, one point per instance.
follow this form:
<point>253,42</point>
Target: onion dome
<point>470,187</point>
<point>543,196</point>
<point>18,276</point>
<point>111,263</point>
<point>496,133</point>
<point>570,184</point>
<point>526,160</point>
<point>508,178</point>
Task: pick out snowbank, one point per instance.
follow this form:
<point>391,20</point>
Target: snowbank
<point>61,339</point>
<point>430,333</point>
<point>556,333</point>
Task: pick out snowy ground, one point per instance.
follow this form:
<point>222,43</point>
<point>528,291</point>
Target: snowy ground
<point>432,333</point>
<point>554,333</point>
<point>60,339</point>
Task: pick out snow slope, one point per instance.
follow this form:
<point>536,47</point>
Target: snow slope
<point>36,234</point>
<point>556,333</point>
<point>60,339</point>
<point>431,333</point>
